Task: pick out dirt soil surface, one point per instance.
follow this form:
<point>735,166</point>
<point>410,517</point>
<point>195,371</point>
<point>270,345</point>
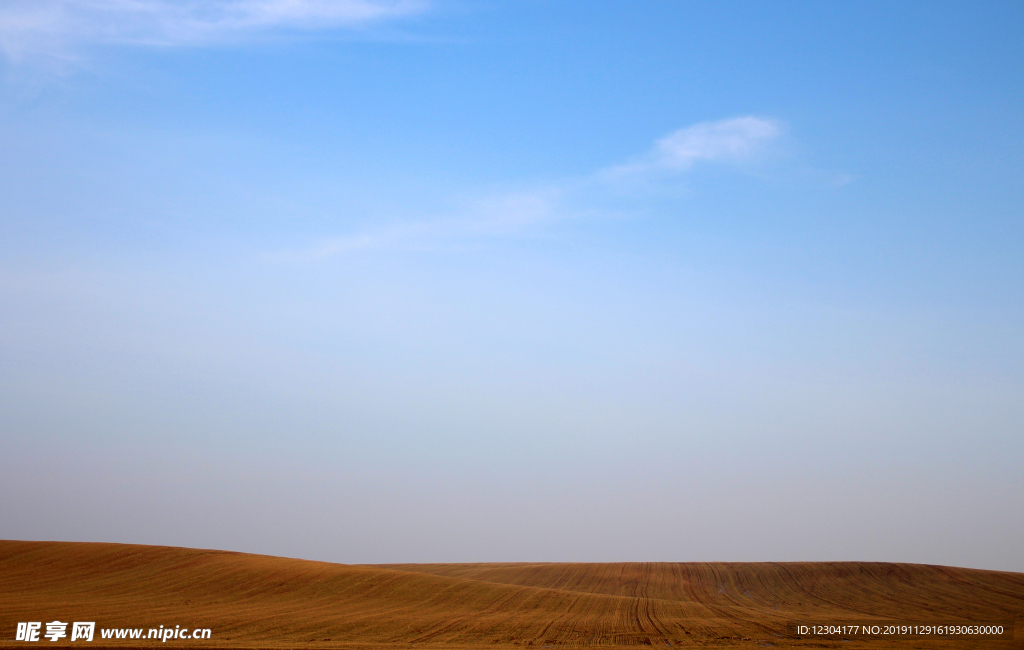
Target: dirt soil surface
<point>256,601</point>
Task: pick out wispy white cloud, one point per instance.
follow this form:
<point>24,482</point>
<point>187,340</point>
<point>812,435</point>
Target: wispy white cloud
<point>489,216</point>
<point>733,140</point>
<point>736,140</point>
<point>55,27</point>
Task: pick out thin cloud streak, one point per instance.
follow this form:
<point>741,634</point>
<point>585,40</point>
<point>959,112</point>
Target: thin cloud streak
<point>56,27</point>
<point>733,140</point>
<point>492,216</point>
<point>729,141</point>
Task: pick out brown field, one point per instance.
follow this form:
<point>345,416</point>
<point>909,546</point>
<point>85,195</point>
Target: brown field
<point>259,601</point>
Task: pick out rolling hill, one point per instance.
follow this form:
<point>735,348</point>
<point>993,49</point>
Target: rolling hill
<point>259,601</point>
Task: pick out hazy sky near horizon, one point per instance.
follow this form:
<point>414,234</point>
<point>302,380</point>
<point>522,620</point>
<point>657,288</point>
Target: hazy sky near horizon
<point>460,280</point>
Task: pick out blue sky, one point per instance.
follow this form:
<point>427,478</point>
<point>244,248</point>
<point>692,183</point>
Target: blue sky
<point>371,281</point>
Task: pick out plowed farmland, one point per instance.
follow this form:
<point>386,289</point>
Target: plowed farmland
<point>258,601</point>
